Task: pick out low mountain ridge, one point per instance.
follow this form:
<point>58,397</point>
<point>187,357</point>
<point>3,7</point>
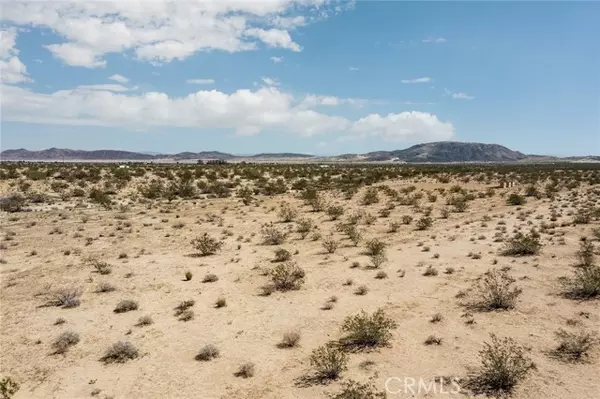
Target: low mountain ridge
<point>450,151</point>
<point>435,152</point>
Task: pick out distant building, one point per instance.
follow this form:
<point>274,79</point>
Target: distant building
<point>212,162</point>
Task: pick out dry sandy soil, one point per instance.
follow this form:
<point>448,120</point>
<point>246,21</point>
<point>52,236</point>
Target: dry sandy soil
<point>148,246</point>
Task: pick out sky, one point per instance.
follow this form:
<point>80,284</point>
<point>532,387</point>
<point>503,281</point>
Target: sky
<point>310,76</point>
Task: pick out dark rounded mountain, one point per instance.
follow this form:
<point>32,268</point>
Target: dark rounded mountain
<point>450,151</point>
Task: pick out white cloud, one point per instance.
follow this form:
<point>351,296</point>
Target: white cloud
<point>76,55</point>
<point>270,81</point>
<point>274,38</point>
<point>435,40</point>
<point>244,111</point>
<point>312,101</point>
<point>160,31</point>
<point>462,96</point>
<point>200,81</point>
<point>119,78</point>
<point>12,70</point>
<point>417,80</point>
<point>405,126</point>
<point>353,68</point>
<point>277,60</point>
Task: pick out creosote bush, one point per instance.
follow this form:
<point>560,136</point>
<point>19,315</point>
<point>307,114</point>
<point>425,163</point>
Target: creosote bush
<point>281,255</point>
<point>330,245</point>
<point>504,364</point>
<point>120,352</point>
<point>364,330</point>
<point>287,213</point>
<point>206,245</point>
<point>424,223</point>
<point>375,247</point>
<point>522,245</point>
<point>496,291</point>
<point>287,276</point>
<point>272,235</point>
<point>329,362</point>
<point>246,370</point>
<point>515,199</point>
<point>584,284</point>
<point>335,211</point>
<point>574,346</point>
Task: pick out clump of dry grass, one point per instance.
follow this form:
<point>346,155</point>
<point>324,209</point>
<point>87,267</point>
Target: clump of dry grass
<point>574,346</point>
<point>120,352</point>
<point>126,305</point>
<point>290,339</point>
<point>64,341</point>
<point>287,276</point>
<point>246,370</point>
<point>207,353</point>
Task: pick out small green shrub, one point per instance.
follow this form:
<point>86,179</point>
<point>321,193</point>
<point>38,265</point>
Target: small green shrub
<point>287,276</point>
<point>329,362</point>
<point>364,330</point>
<point>206,245</point>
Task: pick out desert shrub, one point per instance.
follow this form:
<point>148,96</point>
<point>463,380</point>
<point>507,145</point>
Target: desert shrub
<point>220,302</point>
<point>246,194</point>
<point>370,196</point>
<point>495,291</point>
<point>8,387</point>
<point>281,255</point>
<point>120,352</point>
<point>287,276</point>
<point>335,211</point>
<point>504,364</point>
<point>329,362</point>
<point>144,321</point>
<point>394,227</point>
<point>206,245</point>
<point>353,233</point>
<point>582,216</point>
<point>361,290</point>
<point>317,203</point>
<point>246,370</point>
<point>330,245</point>
<point>101,267</point>
<point>67,297</point>
<point>64,341</point>
<point>515,199</point>
<point>375,247</point>
<point>459,202</point>
<point>105,287</point>
<point>355,390</point>
<point>585,254</point>
<point>433,340</point>
<point>290,339</point>
<point>126,305</point>
<point>424,223</point>
<point>364,330</point>
<point>210,278</point>
<point>522,245</point>
<point>430,271</point>
<point>188,276</point>
<point>304,227</point>
<point>100,197</point>
<point>12,203</point>
<point>584,284</point>
<point>574,347</point>
<point>272,235</point>
<point>208,352</point>
<point>407,219</point>
<point>287,213</point>
<point>378,259</point>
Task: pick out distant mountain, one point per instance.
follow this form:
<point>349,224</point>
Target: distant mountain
<point>58,154</point>
<point>437,152</point>
<point>281,155</point>
<point>450,151</point>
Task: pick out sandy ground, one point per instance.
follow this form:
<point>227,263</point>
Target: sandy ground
<point>250,326</point>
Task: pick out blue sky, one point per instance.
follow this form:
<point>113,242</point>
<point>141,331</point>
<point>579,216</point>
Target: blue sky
<point>312,76</point>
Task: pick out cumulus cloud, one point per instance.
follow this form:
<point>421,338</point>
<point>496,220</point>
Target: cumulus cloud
<point>405,126</point>
<point>118,78</point>
<point>244,111</point>
<point>417,80</point>
<point>200,81</point>
<point>313,100</point>
<point>161,31</point>
<point>12,70</point>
